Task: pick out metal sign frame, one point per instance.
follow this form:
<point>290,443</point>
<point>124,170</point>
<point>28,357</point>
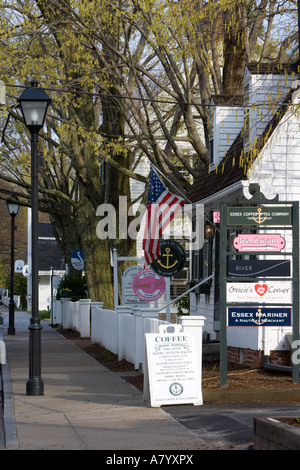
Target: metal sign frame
<point>227,251</point>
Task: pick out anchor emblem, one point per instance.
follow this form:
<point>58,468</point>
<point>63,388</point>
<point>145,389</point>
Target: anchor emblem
<point>167,255</point>
<point>260,220</point>
<point>171,260</point>
<point>260,321</point>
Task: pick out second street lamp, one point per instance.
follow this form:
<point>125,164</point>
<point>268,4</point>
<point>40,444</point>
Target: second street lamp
<point>34,103</point>
<point>13,208</point>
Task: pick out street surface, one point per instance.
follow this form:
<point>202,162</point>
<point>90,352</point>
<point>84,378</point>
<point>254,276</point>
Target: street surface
<point>228,426</point>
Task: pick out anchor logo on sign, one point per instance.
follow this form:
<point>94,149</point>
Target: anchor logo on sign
<point>260,219</point>
<point>176,389</point>
<point>259,321</point>
<point>168,255</point>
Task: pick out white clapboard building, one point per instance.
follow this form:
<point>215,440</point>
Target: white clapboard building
<point>254,146</point>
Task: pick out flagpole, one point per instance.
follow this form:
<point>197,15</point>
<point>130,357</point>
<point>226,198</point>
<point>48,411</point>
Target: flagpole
<point>182,194</point>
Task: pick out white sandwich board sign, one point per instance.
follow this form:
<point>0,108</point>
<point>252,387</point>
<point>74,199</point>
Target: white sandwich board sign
<point>173,369</point>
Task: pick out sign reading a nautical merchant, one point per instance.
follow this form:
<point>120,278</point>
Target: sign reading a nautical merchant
<point>259,316</point>
<point>259,215</point>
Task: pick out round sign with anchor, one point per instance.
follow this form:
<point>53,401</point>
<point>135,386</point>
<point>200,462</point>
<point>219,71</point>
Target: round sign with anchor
<point>172,259</point>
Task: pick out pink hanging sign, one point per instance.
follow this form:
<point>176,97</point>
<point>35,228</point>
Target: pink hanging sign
<point>259,242</point>
<point>148,285</point>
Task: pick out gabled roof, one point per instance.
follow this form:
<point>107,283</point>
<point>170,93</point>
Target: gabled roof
<point>229,172</point>
<point>234,166</point>
<point>273,69</point>
<point>50,253</point>
<point>227,100</point>
<point>45,230</point>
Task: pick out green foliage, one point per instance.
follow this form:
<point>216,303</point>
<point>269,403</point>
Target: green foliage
<point>4,273</point>
<point>20,287</point>
<point>183,305</point>
<point>20,284</point>
<point>72,287</point>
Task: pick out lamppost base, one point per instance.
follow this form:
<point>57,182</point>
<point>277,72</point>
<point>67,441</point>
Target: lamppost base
<point>35,387</point>
<point>11,317</point>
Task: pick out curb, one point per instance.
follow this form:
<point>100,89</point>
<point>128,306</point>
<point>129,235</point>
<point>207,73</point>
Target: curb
<point>9,431</point>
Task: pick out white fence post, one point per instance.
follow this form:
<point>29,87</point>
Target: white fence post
<point>193,325</point>
<point>122,310</point>
<point>57,312</point>
<point>138,356</point>
<point>147,313</point>
<point>93,306</point>
<point>66,324</point>
<point>74,314</point>
<point>84,323</point>
<point>140,315</point>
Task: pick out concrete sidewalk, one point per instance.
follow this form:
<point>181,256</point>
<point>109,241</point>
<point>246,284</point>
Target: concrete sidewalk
<point>84,407</point>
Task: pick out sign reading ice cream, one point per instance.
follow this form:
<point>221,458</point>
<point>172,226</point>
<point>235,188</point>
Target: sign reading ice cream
<point>258,242</point>
<point>262,292</point>
<point>148,285</point>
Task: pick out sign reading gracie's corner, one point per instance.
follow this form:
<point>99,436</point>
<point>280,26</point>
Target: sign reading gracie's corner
<point>174,369</point>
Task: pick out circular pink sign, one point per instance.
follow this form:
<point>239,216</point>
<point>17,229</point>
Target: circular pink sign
<point>148,285</point>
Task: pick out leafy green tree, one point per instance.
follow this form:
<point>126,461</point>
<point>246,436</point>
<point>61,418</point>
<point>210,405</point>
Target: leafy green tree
<point>131,82</point>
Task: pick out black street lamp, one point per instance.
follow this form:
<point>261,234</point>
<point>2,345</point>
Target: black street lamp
<point>34,103</point>
<point>13,208</point>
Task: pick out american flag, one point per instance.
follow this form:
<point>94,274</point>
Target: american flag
<point>162,206</point>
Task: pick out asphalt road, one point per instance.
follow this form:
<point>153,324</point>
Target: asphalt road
<point>228,427</point>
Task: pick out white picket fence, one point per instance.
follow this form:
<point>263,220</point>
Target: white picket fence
<point>5,299</point>
<point>122,331</point>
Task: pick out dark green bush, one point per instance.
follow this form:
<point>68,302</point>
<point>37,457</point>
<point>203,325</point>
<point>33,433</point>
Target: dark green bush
<point>73,287</point>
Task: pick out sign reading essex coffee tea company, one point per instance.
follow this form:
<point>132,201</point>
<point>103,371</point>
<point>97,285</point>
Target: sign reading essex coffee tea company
<point>259,216</point>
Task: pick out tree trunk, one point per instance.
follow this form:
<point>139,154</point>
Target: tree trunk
<point>234,52</point>
<point>96,256</point>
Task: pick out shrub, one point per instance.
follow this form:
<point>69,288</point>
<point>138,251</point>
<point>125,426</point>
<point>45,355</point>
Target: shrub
<point>73,287</point>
